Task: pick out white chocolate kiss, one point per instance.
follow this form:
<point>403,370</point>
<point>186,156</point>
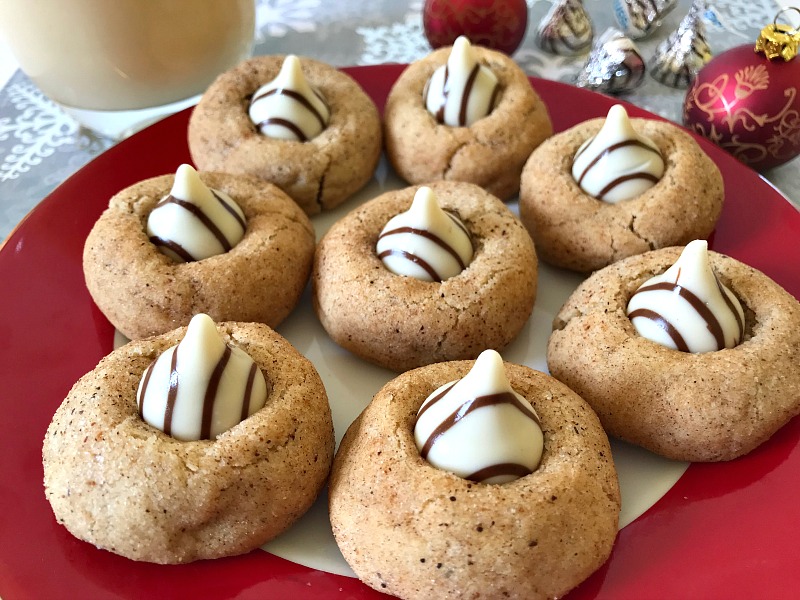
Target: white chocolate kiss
<point>462,91</point>
<point>618,163</point>
<point>287,107</point>
<point>687,308</point>
<point>195,222</point>
<point>479,428</point>
<point>201,387</point>
<point>425,242</point>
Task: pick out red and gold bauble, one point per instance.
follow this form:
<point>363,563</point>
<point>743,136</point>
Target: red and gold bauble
<point>747,99</point>
<point>496,24</point>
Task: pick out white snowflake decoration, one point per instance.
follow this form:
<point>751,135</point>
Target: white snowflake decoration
<point>40,128</point>
<point>275,18</point>
<point>398,43</point>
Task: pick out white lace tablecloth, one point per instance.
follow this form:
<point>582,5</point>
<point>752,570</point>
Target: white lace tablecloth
<point>40,146</point>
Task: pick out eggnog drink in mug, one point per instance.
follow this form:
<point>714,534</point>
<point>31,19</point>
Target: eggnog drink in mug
<point>115,65</point>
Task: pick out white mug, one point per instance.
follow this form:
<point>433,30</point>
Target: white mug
<point>117,65</point>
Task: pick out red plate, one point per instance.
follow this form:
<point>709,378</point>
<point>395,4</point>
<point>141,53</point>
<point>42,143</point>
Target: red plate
<point>723,531</point>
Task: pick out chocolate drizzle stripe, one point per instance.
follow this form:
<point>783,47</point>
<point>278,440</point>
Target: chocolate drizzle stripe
<point>297,97</point>
<point>428,236</point>
<point>174,246</point>
<point>324,102</point>
<point>172,393</point>
<point>646,313</point>
<point>145,382</point>
<point>515,469</point>
<point>729,304</point>
<point>435,399</point>
<point>285,123</point>
<point>203,218</point>
<point>712,323</point>
<point>619,180</point>
<point>462,111</point>
<point>609,150</point>
<point>248,392</point>
<point>414,259</point>
<point>237,217</point>
<point>460,224</point>
<point>211,393</point>
<point>493,99</point>
<point>470,406</point>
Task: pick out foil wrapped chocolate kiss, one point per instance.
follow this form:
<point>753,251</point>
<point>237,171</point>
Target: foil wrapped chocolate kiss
<point>566,29</point>
<point>614,65</point>
<point>639,18</point>
<point>680,57</point>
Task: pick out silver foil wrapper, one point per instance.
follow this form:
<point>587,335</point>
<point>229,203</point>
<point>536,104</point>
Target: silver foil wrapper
<point>639,18</point>
<point>614,65</point>
<point>566,29</point>
<point>679,58</point>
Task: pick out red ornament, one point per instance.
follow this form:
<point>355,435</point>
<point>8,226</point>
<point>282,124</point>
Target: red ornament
<point>496,24</point>
<point>749,104</point>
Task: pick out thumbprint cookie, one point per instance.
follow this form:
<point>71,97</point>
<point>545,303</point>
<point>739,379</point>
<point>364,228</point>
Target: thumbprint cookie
<point>614,187</point>
<point>422,275</point>
<point>683,351</point>
<point>170,247</point>
<point>464,113</point>
<point>475,479</point>
<point>203,442</point>
<point>296,122</point>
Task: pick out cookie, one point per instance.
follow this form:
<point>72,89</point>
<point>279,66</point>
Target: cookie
<point>143,292</point>
<point>576,231</point>
<point>414,531</point>
<point>707,406</point>
<point>401,322</point>
<point>318,174</point>
<point>490,152</point>
<point>124,486</point>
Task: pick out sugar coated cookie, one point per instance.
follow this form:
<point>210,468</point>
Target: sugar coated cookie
<point>414,531</point>
<point>337,145</point>
<point>400,321</point>
<point>144,292</point>
<point>680,200</point>
<point>121,484</point>
<point>489,151</point>
<point>711,405</point>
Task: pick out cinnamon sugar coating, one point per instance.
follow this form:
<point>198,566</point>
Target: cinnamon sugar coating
<point>143,292</point>
<point>695,407</point>
<point>401,322</point>
<point>576,231</point>
<point>489,153</point>
<point>414,531</point>
<point>318,174</point>
<point>124,486</point>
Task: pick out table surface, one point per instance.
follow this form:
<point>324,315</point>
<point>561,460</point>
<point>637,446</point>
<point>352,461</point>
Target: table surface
<point>40,146</point>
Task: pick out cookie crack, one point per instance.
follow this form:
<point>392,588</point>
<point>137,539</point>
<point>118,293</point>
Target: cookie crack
<point>634,231</point>
<point>319,198</point>
<point>449,167</point>
<point>320,187</point>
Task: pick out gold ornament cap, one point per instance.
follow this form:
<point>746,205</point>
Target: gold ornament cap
<point>779,40</point>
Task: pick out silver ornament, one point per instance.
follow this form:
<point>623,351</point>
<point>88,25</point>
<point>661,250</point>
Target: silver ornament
<point>566,29</point>
<point>680,57</point>
<point>614,65</point>
<point>639,18</point>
